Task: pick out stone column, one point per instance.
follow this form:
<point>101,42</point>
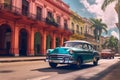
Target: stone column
<point>44,43</point>
<point>15,42</point>
<point>61,40</point>
<point>31,43</point>
<point>53,41</point>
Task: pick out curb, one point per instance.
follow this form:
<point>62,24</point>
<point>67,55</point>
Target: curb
<point>6,61</point>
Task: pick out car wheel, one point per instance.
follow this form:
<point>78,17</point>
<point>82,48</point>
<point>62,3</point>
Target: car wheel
<point>113,57</point>
<point>79,63</point>
<point>53,65</point>
<point>95,62</point>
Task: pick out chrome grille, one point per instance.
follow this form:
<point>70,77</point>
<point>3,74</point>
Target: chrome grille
<point>57,57</point>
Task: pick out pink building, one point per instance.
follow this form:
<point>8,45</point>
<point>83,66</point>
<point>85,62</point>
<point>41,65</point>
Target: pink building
<point>30,27</point>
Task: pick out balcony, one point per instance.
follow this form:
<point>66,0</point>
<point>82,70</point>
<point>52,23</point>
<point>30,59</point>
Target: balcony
<point>13,12</point>
<point>51,21</point>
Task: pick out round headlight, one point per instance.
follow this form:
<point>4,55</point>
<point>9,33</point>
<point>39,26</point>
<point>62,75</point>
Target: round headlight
<point>71,51</point>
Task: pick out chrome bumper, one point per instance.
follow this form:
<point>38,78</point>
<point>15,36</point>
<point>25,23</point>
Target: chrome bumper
<point>61,61</point>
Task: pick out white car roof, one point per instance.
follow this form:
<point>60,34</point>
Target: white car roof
<point>82,41</point>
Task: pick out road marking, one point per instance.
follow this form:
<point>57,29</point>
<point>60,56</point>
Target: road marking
<point>39,78</point>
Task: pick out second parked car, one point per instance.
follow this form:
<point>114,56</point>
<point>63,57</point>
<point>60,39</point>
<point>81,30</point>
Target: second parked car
<point>107,53</point>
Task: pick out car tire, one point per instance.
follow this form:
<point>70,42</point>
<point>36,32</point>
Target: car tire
<point>53,65</point>
<point>95,61</point>
<point>79,63</point>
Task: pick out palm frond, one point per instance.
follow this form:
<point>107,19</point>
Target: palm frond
<point>106,3</point>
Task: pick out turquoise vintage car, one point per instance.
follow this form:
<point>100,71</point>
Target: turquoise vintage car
<point>74,52</point>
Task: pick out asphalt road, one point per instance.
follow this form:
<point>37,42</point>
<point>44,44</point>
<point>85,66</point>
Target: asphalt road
<point>40,70</point>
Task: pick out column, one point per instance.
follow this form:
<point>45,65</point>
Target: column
<point>62,22</point>
<point>44,12</point>
<point>44,43</point>
<point>61,40</point>
<point>31,43</point>
<point>14,42</point>
<point>53,41</point>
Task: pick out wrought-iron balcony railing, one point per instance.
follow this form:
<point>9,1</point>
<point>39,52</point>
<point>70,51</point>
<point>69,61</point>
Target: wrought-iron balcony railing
<point>18,12</point>
<point>51,21</point>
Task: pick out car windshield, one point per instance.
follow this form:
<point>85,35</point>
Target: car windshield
<point>73,44</point>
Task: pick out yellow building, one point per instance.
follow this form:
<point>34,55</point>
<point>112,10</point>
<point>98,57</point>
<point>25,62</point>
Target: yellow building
<point>88,33</point>
<point>76,26</point>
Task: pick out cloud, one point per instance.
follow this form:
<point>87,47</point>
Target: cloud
<point>115,34</point>
<point>109,16</point>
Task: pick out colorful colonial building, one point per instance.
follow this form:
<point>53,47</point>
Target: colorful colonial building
<point>88,32</point>
<point>76,26</point>
<point>30,27</point>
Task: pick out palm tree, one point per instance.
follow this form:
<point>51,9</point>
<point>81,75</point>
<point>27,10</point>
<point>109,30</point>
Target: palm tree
<point>111,43</point>
<point>104,5</point>
<point>98,27</point>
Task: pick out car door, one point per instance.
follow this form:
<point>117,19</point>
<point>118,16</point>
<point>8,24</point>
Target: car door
<point>85,53</point>
<point>90,52</point>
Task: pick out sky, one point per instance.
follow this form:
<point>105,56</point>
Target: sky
<point>92,9</point>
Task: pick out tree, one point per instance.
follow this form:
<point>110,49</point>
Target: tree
<point>111,43</point>
<point>98,27</point>
<point>104,5</point>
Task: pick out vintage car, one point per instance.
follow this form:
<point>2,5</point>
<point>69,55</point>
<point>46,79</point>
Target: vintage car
<point>74,53</point>
<point>107,54</point>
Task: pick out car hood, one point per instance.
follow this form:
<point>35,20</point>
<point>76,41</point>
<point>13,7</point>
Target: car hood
<point>64,50</point>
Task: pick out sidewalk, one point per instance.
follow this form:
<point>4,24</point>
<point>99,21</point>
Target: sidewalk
<point>114,74</point>
<point>19,59</point>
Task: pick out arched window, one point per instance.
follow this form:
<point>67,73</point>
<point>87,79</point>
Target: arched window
<point>72,27</point>
<point>78,29</point>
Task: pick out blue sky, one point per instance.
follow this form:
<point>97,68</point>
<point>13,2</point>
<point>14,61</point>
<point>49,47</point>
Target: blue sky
<point>78,7</point>
<point>92,9</point>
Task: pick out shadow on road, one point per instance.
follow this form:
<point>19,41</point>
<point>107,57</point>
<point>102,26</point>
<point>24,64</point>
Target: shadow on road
<point>63,69</point>
<point>102,74</point>
<point>6,71</point>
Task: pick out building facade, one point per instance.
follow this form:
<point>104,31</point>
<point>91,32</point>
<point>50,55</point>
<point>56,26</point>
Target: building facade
<point>30,27</point>
<point>88,32</point>
<point>76,26</point>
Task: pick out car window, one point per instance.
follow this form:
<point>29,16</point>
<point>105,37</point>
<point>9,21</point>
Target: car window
<point>73,44</point>
<point>90,47</point>
<point>85,46</point>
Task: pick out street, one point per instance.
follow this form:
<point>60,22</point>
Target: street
<point>40,70</point>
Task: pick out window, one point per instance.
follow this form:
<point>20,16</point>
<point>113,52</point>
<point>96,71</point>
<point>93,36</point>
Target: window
<point>77,29</point>
<point>49,14</point>
<point>8,4</point>
<point>90,47</point>
<point>81,30</point>
<point>25,7</point>
<point>72,27</point>
<point>39,13</point>
<point>58,19</point>
<point>65,24</point>
<point>85,46</point>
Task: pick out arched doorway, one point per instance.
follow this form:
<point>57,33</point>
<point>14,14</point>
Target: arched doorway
<point>57,42</point>
<point>5,40</point>
<point>37,43</point>
<point>23,36</point>
<point>48,42</point>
